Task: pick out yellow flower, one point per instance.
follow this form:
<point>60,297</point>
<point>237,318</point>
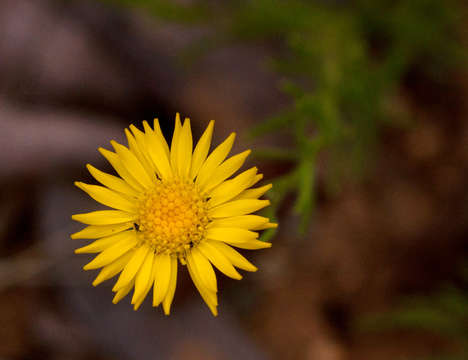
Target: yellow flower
<point>169,206</point>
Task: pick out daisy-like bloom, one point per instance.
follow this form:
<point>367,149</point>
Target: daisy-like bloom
<point>169,206</point>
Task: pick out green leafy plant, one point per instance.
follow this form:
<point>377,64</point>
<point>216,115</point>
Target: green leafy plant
<point>342,64</point>
<point>339,84</point>
<point>444,313</point>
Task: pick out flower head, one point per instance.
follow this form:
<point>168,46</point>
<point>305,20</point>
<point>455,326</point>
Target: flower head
<point>169,206</point>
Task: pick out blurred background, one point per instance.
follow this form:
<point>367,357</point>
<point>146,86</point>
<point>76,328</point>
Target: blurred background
<point>355,110</point>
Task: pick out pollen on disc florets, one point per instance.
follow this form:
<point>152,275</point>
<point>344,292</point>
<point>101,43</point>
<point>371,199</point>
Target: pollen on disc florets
<point>172,217</point>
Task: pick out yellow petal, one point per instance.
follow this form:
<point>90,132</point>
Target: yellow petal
<point>162,276</point>
<point>237,208</point>
<point>112,182</point>
<point>230,234</point>
<point>175,144</point>
<point>218,260</point>
<point>116,163</point>
<point>107,197</point>
<point>159,134</point>
<point>113,268</point>
<point>98,231</point>
<point>204,269</point>
<point>141,139</point>
<point>231,188</point>
<point>201,150</point>
<point>253,193</point>
<point>142,298</point>
<point>133,165</point>
<point>250,222</point>
<point>104,217</point>
<point>214,159</point>
<point>123,292</point>
<point>256,179</point>
<point>233,256</point>
<point>112,253</point>
<point>167,302</point>
<point>139,150</point>
<point>105,242</point>
<point>147,128</point>
<point>236,237</point>
<point>158,154</point>
<point>184,152</point>
<point>250,244</point>
<point>132,267</point>
<point>208,296</point>
<point>143,280</point>
<point>139,135</point>
<point>226,169</point>
<point>266,226</point>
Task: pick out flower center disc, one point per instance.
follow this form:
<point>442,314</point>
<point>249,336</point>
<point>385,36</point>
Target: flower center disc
<point>172,216</point>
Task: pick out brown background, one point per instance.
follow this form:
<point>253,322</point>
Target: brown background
<point>74,74</point>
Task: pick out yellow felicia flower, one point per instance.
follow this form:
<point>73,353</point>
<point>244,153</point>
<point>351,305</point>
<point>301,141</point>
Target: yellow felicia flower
<point>169,206</point>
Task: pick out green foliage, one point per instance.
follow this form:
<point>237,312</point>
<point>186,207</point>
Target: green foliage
<point>342,64</point>
<point>338,82</point>
<point>444,313</point>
